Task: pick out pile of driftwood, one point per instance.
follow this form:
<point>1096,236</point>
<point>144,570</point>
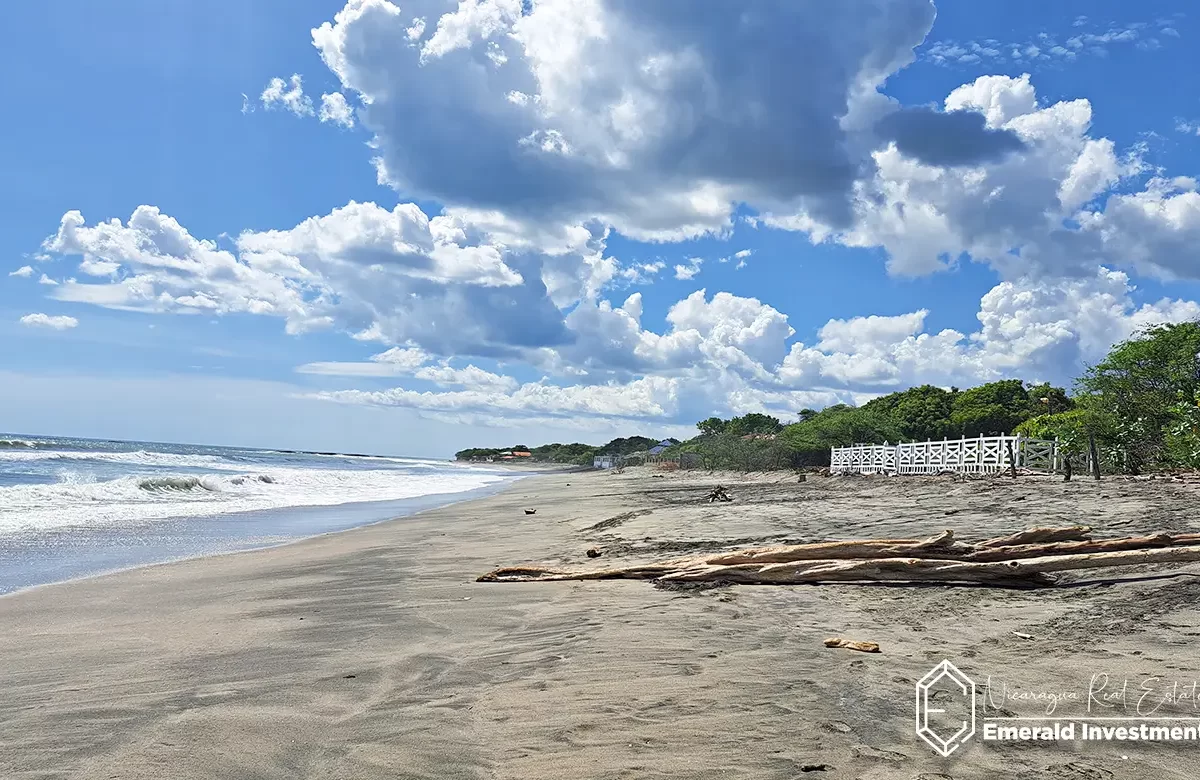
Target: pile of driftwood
<point>719,493</point>
<point>1026,559</point>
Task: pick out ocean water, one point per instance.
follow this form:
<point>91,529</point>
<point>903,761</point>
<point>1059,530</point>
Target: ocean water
<point>72,507</point>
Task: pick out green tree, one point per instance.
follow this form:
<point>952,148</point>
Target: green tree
<point>808,442</point>
<point>1071,428</point>
<point>753,423</point>
<point>1183,432</point>
<point>712,426</point>
<point>994,408</point>
<point>626,446</point>
<point>1046,399</point>
<point>1141,382</point>
<point>732,451</point>
<point>476,452</point>
<point>920,413</point>
<point>576,453</point>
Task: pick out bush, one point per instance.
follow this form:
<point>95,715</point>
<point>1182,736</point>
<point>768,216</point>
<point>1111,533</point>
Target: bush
<point>1183,433</point>
<point>740,453</point>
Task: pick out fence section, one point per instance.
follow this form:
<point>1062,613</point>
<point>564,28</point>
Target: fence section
<point>981,455</point>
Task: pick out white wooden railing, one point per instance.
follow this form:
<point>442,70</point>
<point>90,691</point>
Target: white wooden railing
<point>980,455</point>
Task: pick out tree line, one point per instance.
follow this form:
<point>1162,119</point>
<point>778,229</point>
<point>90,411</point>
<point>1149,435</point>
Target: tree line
<point>1140,404</point>
<point>570,454</point>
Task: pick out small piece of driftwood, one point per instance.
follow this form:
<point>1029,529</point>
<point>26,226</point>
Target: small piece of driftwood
<point>852,644</point>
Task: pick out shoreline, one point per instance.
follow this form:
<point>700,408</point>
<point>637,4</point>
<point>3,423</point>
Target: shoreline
<point>372,653</point>
<point>454,498</point>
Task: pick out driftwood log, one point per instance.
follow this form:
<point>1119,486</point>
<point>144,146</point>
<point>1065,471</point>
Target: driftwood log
<point>1026,559</point>
<point>718,494</point>
<point>852,644</point>
<point>1072,533</point>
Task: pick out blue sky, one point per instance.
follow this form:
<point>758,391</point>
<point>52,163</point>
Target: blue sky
<point>434,224</point>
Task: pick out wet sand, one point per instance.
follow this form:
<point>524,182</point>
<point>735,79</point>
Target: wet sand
<point>372,653</point>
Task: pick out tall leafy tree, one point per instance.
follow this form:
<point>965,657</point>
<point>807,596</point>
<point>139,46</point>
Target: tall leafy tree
<point>1046,399</point>
<point>627,446</point>
<point>920,413</point>
<point>836,426</point>
<point>994,408</point>
<point>1142,383</point>
<point>754,423</point>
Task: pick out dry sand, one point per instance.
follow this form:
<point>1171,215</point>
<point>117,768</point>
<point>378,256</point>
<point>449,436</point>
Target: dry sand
<point>373,653</point>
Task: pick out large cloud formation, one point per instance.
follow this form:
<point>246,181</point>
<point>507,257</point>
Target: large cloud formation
<point>1061,206</point>
<point>657,118</point>
<point>541,127</point>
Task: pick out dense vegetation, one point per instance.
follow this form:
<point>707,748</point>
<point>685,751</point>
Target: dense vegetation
<point>1141,404</point>
<point>577,453</point>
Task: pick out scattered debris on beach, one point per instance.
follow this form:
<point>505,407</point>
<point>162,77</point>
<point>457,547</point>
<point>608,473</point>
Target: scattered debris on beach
<point>719,493</point>
<point>593,553</point>
<point>1027,559</point>
<point>530,511</point>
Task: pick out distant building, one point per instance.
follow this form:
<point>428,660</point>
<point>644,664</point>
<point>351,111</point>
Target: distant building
<point>606,461</point>
<point>657,449</point>
<point>519,454</point>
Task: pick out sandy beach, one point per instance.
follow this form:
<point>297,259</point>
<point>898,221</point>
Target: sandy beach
<point>373,653</point>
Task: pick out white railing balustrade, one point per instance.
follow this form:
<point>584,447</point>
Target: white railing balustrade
<point>978,455</point>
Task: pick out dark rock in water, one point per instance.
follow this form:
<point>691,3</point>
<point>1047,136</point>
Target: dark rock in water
<point>594,553</point>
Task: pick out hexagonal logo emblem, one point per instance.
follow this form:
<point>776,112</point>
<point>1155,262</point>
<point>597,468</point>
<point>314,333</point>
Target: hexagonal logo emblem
<point>945,708</point>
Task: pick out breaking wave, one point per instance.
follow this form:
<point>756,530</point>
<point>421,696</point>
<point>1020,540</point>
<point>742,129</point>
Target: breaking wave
<point>176,483</point>
<point>39,452</point>
<point>23,444</point>
<point>79,499</point>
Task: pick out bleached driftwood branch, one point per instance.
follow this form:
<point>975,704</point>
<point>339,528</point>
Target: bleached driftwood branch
<point>1026,559</point>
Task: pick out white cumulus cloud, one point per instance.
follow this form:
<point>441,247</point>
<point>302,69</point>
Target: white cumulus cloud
<point>689,269</point>
<point>614,110</point>
<point>335,109</point>
<point>39,320</point>
<point>288,95</point>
